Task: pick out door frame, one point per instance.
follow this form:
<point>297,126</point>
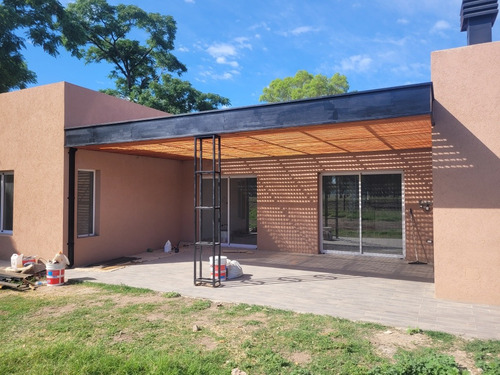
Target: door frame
<point>228,243</point>
<point>359,174</point>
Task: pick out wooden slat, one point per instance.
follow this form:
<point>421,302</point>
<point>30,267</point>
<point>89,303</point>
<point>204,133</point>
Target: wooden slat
<point>367,136</point>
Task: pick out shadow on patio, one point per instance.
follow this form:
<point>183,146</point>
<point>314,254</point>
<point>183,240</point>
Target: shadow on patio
<point>349,265</point>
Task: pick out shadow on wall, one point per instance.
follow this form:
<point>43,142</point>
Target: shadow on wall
<point>467,170</point>
<point>289,195</point>
<point>7,247</point>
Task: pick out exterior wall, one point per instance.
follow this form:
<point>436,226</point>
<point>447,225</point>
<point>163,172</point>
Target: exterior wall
<point>289,198</point>
<point>87,107</point>
<point>466,173</point>
<point>32,123</point>
<point>138,205</point>
<point>32,145</point>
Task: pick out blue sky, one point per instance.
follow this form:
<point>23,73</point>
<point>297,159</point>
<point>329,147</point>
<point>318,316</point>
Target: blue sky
<point>237,47</point>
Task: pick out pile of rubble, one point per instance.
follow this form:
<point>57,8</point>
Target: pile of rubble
<point>30,272</point>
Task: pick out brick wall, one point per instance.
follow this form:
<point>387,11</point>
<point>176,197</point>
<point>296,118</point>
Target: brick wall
<point>289,196</point>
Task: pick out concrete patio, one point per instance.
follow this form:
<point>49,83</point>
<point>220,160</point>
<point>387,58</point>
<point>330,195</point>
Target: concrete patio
<point>382,290</point>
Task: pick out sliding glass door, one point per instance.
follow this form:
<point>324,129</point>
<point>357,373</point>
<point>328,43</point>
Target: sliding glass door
<point>238,211</point>
<point>341,213</point>
<point>362,213</point>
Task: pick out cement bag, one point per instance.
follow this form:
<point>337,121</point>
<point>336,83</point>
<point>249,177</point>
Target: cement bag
<point>234,269</point>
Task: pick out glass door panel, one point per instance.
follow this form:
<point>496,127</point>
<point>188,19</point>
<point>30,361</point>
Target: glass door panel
<point>243,211</point>
<point>238,211</point>
<point>340,219</point>
<point>382,222</point>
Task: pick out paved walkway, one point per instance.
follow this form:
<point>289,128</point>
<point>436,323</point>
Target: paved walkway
<point>382,290</point>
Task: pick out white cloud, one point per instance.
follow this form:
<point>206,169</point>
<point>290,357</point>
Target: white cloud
<point>403,21</point>
<point>223,60</point>
<point>189,1</point>
<point>243,42</point>
<point>261,25</point>
<point>219,76</point>
<point>359,63</point>
<point>221,50</point>
<point>440,26</point>
<point>298,31</point>
<point>183,49</point>
<point>302,30</point>
<point>227,53</point>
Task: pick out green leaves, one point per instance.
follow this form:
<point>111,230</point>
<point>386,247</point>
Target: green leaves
<point>304,85</point>
<point>35,20</point>
<point>101,32</point>
<point>97,31</point>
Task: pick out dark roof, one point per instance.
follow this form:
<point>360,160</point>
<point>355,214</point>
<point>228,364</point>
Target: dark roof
<point>395,102</point>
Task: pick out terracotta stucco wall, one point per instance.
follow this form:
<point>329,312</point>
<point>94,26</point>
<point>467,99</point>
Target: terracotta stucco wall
<point>32,123</point>
<point>138,205</point>
<point>32,146</point>
<point>466,148</point>
<point>288,195</point>
<point>88,107</point>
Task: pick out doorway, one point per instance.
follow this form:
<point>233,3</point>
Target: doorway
<point>362,213</point>
<point>238,211</point>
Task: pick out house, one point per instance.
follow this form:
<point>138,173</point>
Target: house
<point>410,172</point>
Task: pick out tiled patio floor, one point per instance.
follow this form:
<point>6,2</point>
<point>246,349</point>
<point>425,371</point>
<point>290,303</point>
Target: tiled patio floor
<point>382,290</point>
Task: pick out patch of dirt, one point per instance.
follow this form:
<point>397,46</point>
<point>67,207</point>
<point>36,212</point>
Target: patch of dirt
<point>388,342</point>
<point>122,337</point>
<point>207,342</point>
<point>299,358</point>
<point>465,362</point>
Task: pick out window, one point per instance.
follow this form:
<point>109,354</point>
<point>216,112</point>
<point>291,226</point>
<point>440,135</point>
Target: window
<point>6,201</point>
<point>85,215</point>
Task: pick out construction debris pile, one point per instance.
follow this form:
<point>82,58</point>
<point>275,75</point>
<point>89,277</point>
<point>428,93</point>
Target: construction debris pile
<point>30,272</point>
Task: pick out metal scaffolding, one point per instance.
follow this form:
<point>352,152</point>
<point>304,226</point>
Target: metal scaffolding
<point>207,208</point>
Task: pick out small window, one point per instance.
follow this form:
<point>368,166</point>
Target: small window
<point>6,202</point>
<point>86,204</point>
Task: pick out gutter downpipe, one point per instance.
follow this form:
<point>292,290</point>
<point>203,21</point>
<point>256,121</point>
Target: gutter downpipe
<point>71,206</point>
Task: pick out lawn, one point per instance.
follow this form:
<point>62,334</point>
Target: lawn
<point>91,328</point>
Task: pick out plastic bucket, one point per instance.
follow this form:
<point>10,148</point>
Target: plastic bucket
<point>55,274</point>
<point>214,267</point>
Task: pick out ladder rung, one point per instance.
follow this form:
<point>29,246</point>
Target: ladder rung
<point>207,243</point>
<point>207,207</point>
<point>207,172</point>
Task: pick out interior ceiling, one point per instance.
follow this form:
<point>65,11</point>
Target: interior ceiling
<point>367,136</point>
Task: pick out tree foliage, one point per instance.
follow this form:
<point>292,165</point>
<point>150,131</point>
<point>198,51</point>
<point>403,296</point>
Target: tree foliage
<point>304,85</point>
<point>100,32</point>
<point>175,96</point>
<point>35,20</point>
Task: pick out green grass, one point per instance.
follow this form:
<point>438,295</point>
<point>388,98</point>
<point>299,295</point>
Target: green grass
<point>102,329</point>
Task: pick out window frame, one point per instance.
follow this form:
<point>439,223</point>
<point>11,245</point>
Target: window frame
<point>2,202</point>
<point>360,174</point>
<point>93,232</point>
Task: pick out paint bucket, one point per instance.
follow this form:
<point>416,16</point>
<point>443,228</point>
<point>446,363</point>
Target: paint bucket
<point>55,274</point>
<point>214,267</point>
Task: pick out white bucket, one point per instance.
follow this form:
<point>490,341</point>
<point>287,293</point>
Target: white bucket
<point>55,274</point>
<point>214,266</point>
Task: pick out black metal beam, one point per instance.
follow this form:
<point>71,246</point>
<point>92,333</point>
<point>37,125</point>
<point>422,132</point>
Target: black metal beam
<point>71,205</point>
<point>387,103</point>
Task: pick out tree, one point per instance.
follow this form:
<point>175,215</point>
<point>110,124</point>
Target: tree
<point>38,21</point>
<point>304,85</point>
<point>173,95</point>
<point>100,33</point>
